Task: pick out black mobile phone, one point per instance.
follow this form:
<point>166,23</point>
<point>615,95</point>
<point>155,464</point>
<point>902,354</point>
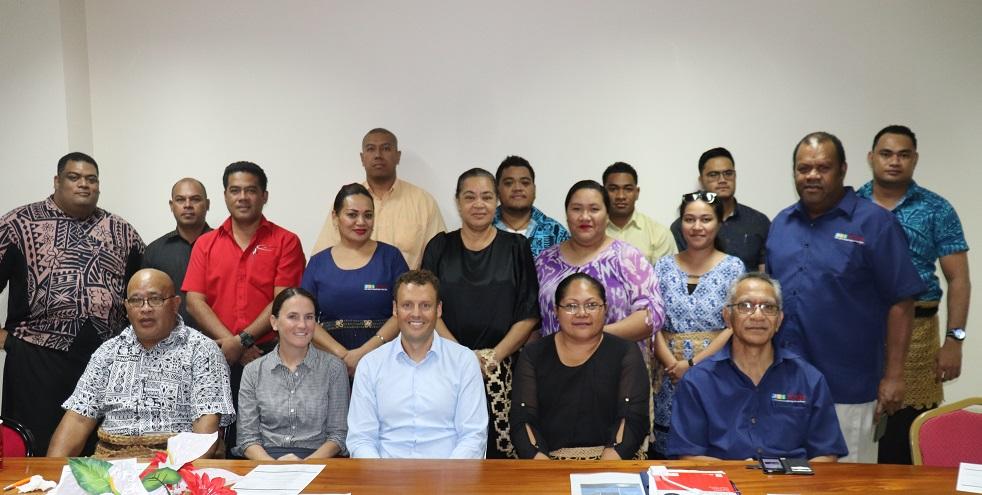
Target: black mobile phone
<point>784,465</point>
<point>772,465</point>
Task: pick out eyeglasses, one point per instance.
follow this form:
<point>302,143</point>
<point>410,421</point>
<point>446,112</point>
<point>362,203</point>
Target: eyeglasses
<point>708,197</point>
<point>574,308</point>
<point>153,301</point>
<point>716,174</point>
<point>749,308</point>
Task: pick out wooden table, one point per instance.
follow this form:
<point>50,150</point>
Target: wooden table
<point>362,476</point>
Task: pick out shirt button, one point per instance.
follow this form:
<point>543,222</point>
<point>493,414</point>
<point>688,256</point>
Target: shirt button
<point>753,420</point>
<point>292,391</point>
<point>760,450</point>
<point>626,399</point>
<point>291,410</point>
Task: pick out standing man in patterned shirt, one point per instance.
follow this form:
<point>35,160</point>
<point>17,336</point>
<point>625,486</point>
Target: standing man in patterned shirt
<point>515,181</point>
<point>934,233</point>
<point>157,378</point>
<point>67,262</point>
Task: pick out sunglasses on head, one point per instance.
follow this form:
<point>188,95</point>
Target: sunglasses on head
<point>708,197</point>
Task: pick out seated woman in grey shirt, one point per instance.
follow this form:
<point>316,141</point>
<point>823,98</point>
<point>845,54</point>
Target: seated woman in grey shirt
<point>293,402</point>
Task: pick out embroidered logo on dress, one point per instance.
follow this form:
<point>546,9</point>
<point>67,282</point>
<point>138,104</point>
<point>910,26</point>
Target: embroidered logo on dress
<point>858,239</point>
<point>382,288</point>
<point>789,398</point>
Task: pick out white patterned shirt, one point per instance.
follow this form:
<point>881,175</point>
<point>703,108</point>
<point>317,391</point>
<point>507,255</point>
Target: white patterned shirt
<point>163,389</point>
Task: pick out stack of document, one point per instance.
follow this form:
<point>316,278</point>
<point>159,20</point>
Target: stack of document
<point>657,480</point>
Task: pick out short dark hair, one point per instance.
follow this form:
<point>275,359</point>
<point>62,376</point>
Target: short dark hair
<point>563,286</point>
<point>382,130</point>
<point>247,167</point>
<point>896,129</point>
<point>352,189</point>
<point>588,184</point>
<point>714,153</point>
<point>718,212</point>
<point>76,156</point>
<point>512,161</point>
<point>620,168</point>
<point>416,277</point>
<point>474,172</point>
<point>287,294</point>
<point>821,137</point>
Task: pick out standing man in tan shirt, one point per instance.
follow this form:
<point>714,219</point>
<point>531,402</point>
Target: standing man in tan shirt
<point>405,215</point>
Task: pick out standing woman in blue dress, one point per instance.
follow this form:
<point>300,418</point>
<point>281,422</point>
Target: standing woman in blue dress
<point>352,282</point>
<point>693,285</point>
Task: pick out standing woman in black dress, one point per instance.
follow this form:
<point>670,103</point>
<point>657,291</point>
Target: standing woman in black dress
<point>489,291</point>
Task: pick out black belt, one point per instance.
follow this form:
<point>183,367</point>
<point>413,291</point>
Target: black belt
<point>925,312</point>
<point>336,324</point>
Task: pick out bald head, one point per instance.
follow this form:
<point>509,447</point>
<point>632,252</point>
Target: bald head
<point>152,305</point>
<point>193,183</point>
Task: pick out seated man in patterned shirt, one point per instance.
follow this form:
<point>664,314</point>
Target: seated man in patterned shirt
<point>157,378</point>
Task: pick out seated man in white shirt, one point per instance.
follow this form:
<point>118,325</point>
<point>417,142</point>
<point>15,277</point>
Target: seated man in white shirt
<point>420,396</point>
<point>155,379</point>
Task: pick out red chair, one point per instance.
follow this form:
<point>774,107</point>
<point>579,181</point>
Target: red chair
<point>18,441</point>
<point>948,435</point>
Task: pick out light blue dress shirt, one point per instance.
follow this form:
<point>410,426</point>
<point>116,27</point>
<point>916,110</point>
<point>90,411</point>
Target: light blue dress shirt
<point>434,409</point>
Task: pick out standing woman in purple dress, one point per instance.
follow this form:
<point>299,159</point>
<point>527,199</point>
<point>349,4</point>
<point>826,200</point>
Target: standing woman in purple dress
<point>634,306</point>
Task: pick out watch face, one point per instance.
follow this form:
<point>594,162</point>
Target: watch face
<point>957,333</point>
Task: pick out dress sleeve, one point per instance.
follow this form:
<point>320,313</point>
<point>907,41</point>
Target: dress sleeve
<point>527,293</point>
<point>949,238</point>
<point>194,277</point>
<point>642,286</point>
<point>525,409</point>
<point>632,404</point>
<point>688,433</point>
<point>212,393</point>
<point>88,397</point>
<point>363,418</point>
<point>433,253</point>
<point>824,435</point>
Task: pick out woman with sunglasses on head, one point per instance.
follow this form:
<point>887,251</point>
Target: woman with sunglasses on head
<point>293,402</point>
<point>352,281</point>
<point>580,393</point>
<point>694,284</point>
<point>488,289</point>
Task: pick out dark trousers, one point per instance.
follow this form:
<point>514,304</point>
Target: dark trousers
<point>894,447</point>
<point>38,380</point>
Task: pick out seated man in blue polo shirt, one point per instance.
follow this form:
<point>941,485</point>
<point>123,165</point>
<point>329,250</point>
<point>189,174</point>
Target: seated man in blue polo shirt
<point>753,399</point>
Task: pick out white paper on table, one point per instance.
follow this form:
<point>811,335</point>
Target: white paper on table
<point>969,478</point>
<point>186,447</point>
<point>599,483</point>
<point>278,479</point>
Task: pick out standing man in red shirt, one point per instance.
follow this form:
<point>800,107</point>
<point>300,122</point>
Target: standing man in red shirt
<point>236,270</point>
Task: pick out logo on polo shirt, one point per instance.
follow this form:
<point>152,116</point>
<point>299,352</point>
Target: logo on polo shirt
<point>797,399</point>
<point>858,239</point>
<point>383,288</point>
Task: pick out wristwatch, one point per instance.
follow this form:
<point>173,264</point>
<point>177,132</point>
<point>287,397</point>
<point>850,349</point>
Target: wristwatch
<point>247,339</point>
<point>956,333</point>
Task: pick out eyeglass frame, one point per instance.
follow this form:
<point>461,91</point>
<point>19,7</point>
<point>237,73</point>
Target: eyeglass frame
<point>708,197</point>
<point>146,301</point>
<point>754,307</point>
<point>574,308</point>
<point>721,174</point>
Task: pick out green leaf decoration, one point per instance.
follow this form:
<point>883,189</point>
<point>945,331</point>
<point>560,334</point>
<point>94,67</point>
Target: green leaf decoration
<point>159,478</point>
<point>91,474</point>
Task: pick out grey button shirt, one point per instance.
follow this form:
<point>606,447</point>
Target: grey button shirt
<point>303,408</point>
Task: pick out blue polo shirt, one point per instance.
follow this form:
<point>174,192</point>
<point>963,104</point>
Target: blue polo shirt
<point>840,274</point>
<point>933,231</point>
<point>719,412</point>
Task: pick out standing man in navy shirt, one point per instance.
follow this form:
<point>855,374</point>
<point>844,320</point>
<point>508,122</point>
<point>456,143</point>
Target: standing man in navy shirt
<point>849,285</point>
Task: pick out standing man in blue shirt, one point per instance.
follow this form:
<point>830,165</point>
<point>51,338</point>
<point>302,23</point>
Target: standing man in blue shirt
<point>515,181</point>
<point>849,286</point>
<point>420,396</point>
<point>934,233</point>
<point>753,399</point>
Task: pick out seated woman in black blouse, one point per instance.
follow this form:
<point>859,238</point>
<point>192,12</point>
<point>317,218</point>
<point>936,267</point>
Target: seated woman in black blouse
<point>580,393</point>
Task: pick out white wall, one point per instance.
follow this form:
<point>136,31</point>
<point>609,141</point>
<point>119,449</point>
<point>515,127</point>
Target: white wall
<point>185,87</point>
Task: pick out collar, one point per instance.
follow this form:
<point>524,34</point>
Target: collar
<point>396,187</point>
<point>226,226</point>
<point>309,361</point>
<point>535,219</point>
<point>178,337</point>
<point>436,349</point>
<point>49,203</point>
<point>846,206</point>
<point>173,235</point>
<point>914,191</point>
<point>632,222</point>
<point>726,354</point>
